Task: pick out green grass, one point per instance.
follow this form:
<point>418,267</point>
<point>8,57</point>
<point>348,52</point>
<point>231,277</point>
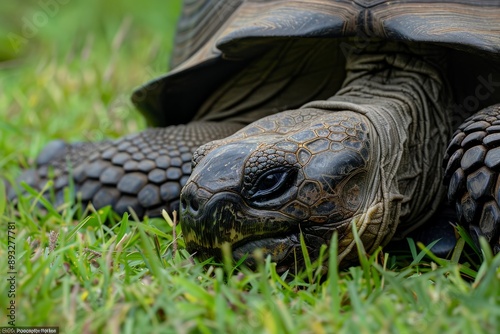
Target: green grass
<point>72,80</point>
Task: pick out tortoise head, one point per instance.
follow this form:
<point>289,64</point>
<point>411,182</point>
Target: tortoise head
<point>304,171</point>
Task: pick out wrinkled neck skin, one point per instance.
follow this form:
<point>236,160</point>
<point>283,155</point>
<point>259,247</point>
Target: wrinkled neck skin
<point>403,96</point>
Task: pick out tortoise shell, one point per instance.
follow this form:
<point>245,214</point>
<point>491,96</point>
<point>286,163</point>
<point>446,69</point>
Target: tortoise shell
<point>217,39</point>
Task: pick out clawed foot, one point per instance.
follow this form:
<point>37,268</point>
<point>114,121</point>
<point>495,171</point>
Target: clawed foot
<point>473,175</point>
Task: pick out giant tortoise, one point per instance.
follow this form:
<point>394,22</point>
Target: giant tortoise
<point>289,117</point>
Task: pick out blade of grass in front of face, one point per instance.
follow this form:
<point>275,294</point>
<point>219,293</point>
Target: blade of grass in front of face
<point>307,260</point>
<point>333,276</point>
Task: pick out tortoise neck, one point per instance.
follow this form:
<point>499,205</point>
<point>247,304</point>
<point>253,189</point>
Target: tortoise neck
<point>395,73</point>
<point>404,96</point>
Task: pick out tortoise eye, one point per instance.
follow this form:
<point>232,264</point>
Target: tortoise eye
<point>273,183</point>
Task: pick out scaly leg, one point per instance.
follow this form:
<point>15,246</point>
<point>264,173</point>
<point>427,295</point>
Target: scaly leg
<point>144,171</point>
<point>473,174</point>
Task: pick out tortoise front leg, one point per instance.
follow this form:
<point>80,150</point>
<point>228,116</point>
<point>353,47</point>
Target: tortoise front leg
<point>143,172</point>
<point>473,174</point>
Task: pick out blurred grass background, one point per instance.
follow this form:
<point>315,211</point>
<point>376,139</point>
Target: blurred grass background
<point>68,67</point>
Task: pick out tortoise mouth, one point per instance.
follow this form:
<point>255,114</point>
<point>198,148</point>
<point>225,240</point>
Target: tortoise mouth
<point>282,247</point>
<point>279,246</point>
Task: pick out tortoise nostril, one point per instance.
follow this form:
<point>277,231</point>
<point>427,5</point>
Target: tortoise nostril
<point>193,199</point>
<point>195,206</point>
<point>189,202</point>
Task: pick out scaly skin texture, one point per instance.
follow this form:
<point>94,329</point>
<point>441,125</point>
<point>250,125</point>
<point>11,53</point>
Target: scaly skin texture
<point>473,174</point>
<point>371,154</point>
<point>142,172</point>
